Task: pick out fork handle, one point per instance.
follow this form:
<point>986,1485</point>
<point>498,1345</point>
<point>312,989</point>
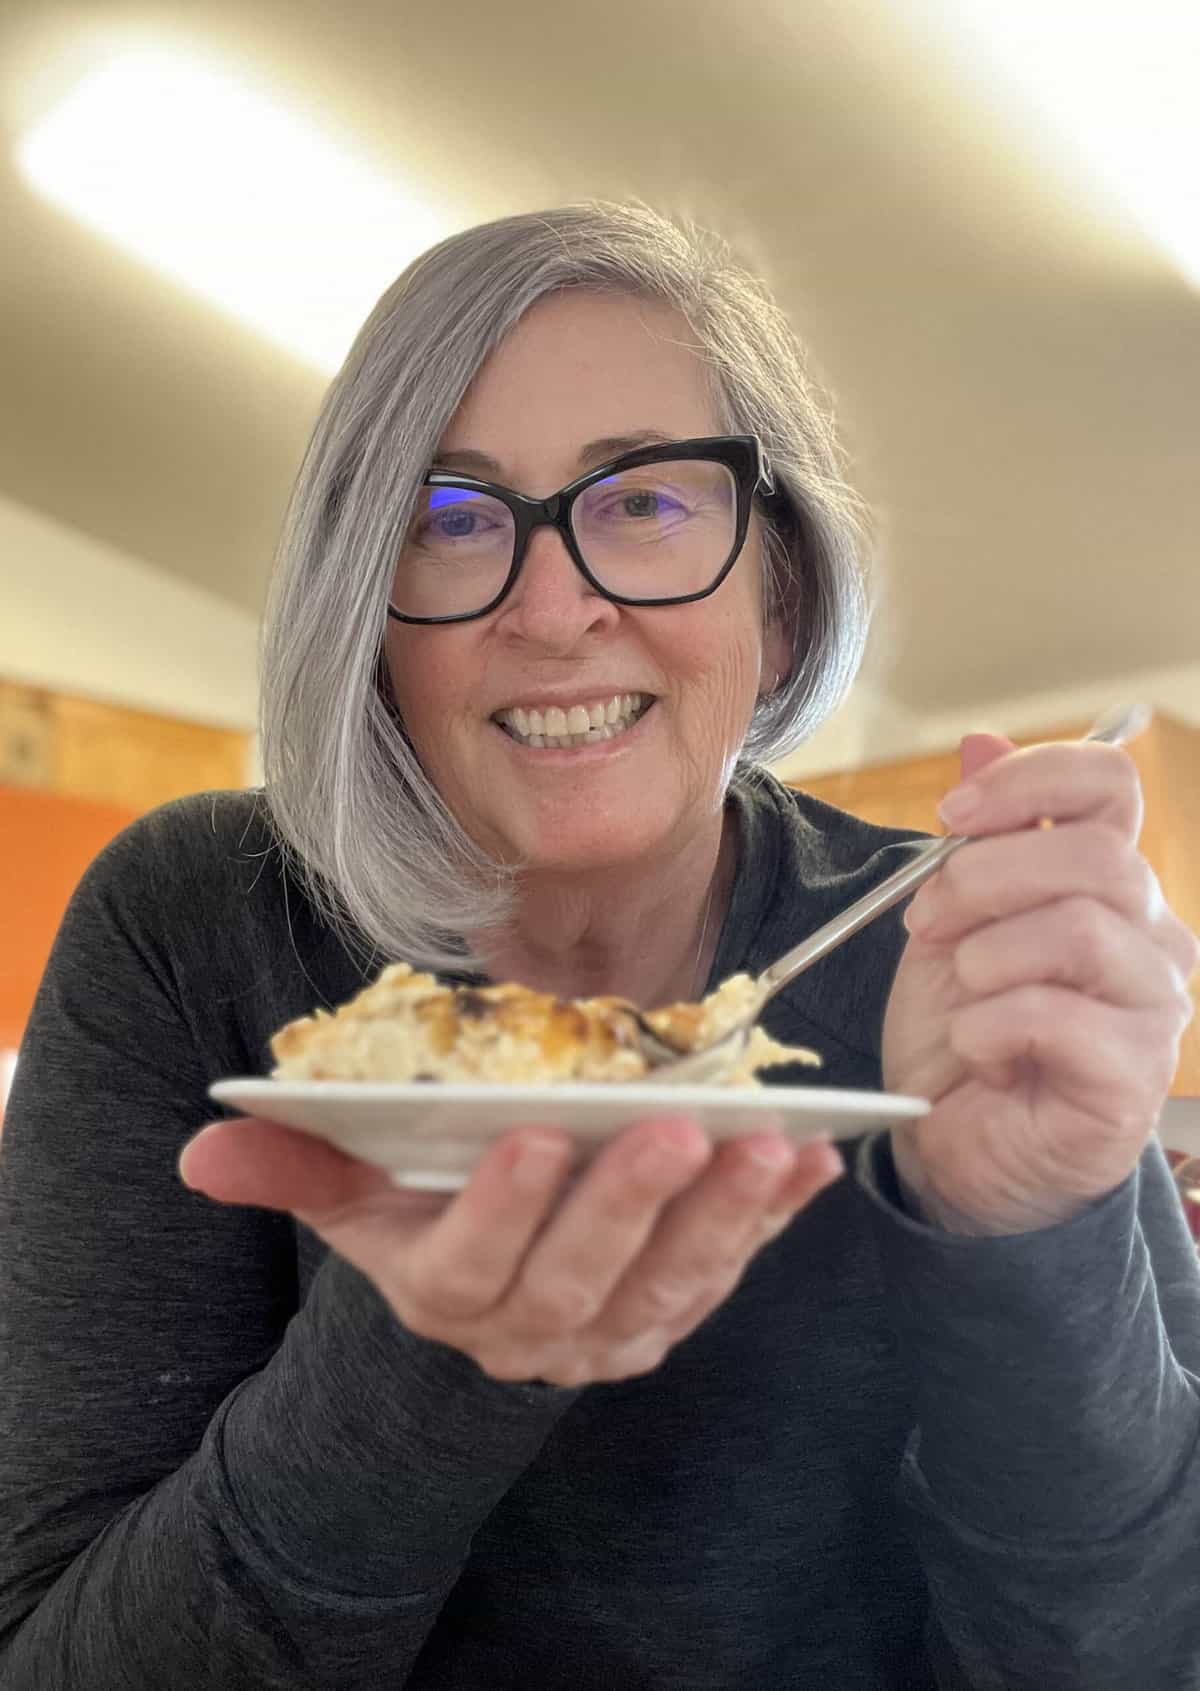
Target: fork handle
<point>931,854</point>
<point>1113,727</point>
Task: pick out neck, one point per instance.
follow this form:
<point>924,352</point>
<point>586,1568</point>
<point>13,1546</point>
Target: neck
<point>651,937</point>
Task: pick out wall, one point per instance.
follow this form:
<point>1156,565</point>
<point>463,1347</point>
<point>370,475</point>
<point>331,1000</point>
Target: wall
<point>871,728</point>
<point>1179,1128</point>
<point>48,841</point>
<point>83,618</point>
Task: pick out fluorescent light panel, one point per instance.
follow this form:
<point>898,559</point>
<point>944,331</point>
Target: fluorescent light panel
<point>224,190</point>
<point>1118,80</point>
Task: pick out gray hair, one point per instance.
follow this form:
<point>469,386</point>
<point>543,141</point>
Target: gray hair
<point>370,837</point>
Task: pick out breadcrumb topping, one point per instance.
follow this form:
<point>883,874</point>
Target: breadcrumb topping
<point>408,1026</point>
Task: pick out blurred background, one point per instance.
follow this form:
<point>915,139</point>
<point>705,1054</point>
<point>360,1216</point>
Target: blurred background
<point>982,216</point>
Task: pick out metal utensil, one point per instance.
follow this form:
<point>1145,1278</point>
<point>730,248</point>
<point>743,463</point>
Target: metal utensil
<point>672,1067</point>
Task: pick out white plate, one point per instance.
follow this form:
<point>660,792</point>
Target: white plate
<point>432,1135</point>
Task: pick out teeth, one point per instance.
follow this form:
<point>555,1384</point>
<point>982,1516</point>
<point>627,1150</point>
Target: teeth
<point>581,725</point>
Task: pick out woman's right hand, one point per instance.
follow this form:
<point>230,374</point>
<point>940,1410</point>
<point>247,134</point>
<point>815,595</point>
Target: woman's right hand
<point>533,1277</point>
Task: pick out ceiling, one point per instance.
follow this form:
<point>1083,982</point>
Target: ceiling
<point>1017,369</point>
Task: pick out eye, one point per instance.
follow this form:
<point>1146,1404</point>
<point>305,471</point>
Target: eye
<point>456,524</point>
<point>616,502</point>
<point>454,519</point>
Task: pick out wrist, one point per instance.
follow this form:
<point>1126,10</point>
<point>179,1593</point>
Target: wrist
<point>978,1215</point>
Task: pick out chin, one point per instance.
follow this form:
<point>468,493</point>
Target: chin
<point>567,845</point>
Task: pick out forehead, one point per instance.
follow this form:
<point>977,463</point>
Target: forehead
<point>579,366</point>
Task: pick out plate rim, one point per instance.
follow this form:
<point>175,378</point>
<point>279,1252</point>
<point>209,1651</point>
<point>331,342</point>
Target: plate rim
<point>836,1098</point>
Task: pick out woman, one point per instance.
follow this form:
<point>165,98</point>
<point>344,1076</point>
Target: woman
<point>705,1418</point>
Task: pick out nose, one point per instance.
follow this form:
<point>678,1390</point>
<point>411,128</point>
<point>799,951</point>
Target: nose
<point>552,604</point>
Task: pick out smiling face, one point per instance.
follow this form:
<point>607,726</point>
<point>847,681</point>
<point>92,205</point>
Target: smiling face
<point>672,687</point>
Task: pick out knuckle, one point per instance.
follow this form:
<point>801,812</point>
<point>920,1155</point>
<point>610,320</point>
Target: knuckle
<point>574,1370</point>
<point>1177,939</point>
<point>1146,894</point>
<point>461,1298</point>
<point>663,1294</point>
<point>975,963</point>
<point>1037,1007</point>
<point>558,1306</point>
<point>507,1364</point>
<point>955,876</point>
<point>1086,927</point>
<point>1103,853</point>
<point>1126,776</point>
<point>419,1322</point>
<point>642,1356</point>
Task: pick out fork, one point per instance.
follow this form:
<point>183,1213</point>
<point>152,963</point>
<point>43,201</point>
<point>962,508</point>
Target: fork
<point>670,1066</point>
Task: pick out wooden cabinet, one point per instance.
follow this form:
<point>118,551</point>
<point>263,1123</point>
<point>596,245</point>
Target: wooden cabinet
<point>905,794</point>
<point>73,772</point>
<point>92,750</point>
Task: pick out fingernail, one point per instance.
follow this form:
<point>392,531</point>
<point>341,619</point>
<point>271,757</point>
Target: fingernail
<point>958,806</point>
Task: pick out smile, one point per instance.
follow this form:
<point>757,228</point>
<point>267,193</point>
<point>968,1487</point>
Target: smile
<point>558,729</point>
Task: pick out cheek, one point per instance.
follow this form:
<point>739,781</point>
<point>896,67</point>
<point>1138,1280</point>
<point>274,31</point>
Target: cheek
<point>426,677</point>
<point>718,662</point>
<point>725,655</point>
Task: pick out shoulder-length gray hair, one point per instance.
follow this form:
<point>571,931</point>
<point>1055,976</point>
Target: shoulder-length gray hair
<point>369,836</point>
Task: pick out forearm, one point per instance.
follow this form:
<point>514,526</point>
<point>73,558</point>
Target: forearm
<point>313,1538</point>
<point>1043,1358</point>
<point>1051,1477</point>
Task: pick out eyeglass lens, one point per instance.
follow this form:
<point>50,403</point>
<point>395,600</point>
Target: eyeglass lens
<point>658,531</point>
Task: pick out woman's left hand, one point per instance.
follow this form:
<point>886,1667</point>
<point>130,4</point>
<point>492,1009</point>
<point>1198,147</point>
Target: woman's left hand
<point>1041,996</point>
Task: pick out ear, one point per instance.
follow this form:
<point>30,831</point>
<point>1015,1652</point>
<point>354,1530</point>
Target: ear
<point>776,664</point>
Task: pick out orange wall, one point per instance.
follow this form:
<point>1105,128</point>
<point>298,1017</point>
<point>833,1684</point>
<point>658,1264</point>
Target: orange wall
<point>47,840</point>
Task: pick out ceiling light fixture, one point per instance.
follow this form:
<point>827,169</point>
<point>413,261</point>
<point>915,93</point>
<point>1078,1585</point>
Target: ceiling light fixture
<point>226,191</point>
<point>1119,82</point>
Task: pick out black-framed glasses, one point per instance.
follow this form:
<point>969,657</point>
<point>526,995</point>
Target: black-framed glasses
<point>659,526</point>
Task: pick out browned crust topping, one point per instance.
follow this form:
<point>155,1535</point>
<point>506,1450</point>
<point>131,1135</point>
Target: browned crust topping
<point>408,1026</point>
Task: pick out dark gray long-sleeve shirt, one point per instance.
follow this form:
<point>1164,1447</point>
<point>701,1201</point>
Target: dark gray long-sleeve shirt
<point>894,1458</point>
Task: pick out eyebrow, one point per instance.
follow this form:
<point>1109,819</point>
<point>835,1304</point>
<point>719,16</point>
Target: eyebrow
<point>595,452</point>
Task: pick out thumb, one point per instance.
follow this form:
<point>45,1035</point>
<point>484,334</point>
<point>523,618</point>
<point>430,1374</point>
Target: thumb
<point>976,751</point>
<point>250,1161</point>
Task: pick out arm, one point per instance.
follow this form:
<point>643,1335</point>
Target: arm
<point>1052,1479</point>
<point>202,1485</point>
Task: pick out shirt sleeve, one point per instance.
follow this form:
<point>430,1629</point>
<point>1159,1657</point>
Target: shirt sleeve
<point>203,1483</point>
<point>1051,1480</point>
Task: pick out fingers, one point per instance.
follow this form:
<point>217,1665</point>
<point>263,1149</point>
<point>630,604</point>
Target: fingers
<point>532,1279</point>
<point>708,1236</point>
<point>1065,782</point>
<point>996,877</point>
<point>1075,942</point>
<point>603,1226</point>
<point>1114,1064</point>
<point>463,1265</point>
<point>976,751</point>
